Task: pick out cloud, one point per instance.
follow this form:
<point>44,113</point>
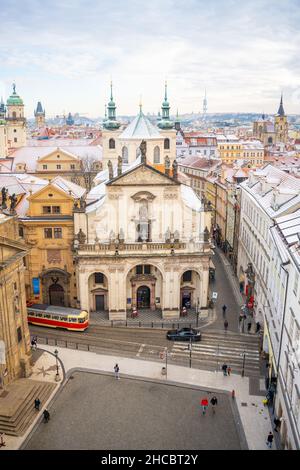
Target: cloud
<point>244,53</point>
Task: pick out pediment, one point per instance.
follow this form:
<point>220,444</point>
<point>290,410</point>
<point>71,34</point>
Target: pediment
<point>53,157</point>
<point>43,194</point>
<point>143,175</point>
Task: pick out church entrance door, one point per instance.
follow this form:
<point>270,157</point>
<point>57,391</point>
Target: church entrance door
<point>56,295</point>
<point>143,297</point>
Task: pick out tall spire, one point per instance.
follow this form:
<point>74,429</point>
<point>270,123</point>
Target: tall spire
<point>111,122</point>
<point>165,122</point>
<point>281,110</point>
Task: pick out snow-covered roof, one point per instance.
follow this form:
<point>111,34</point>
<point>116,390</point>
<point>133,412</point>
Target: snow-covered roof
<point>190,198</point>
<point>140,128</point>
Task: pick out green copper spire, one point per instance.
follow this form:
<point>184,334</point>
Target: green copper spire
<point>165,122</point>
<point>111,122</point>
<point>14,99</point>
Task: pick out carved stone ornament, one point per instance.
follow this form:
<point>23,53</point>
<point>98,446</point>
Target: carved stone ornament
<point>81,237</point>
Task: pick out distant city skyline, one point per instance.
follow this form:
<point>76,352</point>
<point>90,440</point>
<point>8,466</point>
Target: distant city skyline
<point>64,54</point>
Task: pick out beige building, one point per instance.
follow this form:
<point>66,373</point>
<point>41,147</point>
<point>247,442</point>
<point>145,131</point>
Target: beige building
<point>16,121</point>
<point>142,242</point>
<point>14,334</point>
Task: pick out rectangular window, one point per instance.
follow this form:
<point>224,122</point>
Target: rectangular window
<point>45,167</point>
<point>139,269</point>
<point>55,209</point>
<point>147,269</point>
<point>57,232</point>
<point>21,232</point>
<point>46,209</point>
<point>15,139</point>
<point>58,167</point>
<point>19,333</point>
<point>72,166</point>
<point>48,232</point>
<point>99,278</point>
<point>187,276</point>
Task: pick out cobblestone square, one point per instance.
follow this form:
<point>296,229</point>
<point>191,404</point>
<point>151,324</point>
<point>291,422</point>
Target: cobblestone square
<point>95,411</point>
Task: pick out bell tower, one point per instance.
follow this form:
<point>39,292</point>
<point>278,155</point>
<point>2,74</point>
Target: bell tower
<point>16,122</point>
<point>39,115</point>
<point>281,124</point>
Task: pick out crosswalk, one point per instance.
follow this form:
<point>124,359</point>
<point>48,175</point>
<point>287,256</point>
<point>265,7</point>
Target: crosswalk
<point>216,348</point>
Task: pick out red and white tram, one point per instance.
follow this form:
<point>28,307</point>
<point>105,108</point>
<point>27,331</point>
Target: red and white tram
<point>58,317</point>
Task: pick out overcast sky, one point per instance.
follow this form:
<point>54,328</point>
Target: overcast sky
<point>63,52</point>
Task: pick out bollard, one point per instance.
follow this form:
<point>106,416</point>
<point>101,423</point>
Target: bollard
<point>233,394</point>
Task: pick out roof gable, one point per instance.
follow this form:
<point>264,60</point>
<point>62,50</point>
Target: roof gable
<point>57,193</point>
<point>63,156</point>
<point>142,175</point>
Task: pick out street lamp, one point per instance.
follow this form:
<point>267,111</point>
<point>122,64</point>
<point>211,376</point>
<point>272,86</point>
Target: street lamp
<point>57,377</point>
<point>244,360</point>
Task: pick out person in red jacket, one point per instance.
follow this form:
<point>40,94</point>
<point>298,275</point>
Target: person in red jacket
<point>204,404</point>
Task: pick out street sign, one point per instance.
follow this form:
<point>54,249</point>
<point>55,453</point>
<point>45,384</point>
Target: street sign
<point>214,295</point>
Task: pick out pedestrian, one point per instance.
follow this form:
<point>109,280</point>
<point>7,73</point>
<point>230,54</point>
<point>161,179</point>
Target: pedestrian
<point>270,440</point>
<point>277,422</point>
<point>257,327</point>
<point>228,370</point>
<point>224,308</point>
<point>37,404</point>
<point>214,402</point>
<point>33,343</point>
<point>225,325</point>
<point>117,370</point>
<point>204,404</point>
<point>2,441</point>
<point>249,327</point>
<point>224,369</point>
<point>46,415</point>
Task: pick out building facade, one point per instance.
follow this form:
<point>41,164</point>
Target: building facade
<point>14,332</point>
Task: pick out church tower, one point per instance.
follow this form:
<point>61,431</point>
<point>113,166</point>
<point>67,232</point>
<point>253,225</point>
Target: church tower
<point>16,122</point>
<point>39,115</point>
<point>3,131</point>
<point>165,122</point>
<point>111,130</point>
<point>281,124</point>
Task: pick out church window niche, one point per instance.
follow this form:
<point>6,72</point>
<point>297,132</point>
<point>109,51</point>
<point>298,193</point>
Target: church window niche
<point>143,223</point>
<point>14,115</point>
<point>270,140</point>
<point>112,144</point>
<point>125,154</point>
<point>167,144</point>
<point>156,154</point>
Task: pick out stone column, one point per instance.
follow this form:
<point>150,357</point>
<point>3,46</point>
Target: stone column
<point>152,296</point>
<point>83,285</point>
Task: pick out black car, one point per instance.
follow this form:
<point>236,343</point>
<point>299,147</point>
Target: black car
<point>184,334</point>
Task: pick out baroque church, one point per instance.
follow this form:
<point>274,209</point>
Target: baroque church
<point>142,239</point>
<point>272,132</point>
<point>12,124</point>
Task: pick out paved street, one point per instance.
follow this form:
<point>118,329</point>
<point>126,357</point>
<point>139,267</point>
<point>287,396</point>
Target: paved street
<point>99,412</point>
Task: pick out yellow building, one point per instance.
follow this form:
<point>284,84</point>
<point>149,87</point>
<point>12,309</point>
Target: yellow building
<point>15,352</point>
<point>230,148</point>
<point>47,227</point>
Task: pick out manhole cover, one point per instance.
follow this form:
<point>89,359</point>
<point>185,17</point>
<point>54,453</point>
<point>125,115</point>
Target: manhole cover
<point>244,404</point>
<point>4,394</point>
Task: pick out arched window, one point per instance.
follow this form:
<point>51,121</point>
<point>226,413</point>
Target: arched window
<point>270,140</point>
<point>125,154</point>
<point>167,144</point>
<point>112,144</point>
<point>156,154</point>
<point>14,115</point>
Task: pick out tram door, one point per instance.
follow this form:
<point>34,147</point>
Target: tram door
<point>99,303</point>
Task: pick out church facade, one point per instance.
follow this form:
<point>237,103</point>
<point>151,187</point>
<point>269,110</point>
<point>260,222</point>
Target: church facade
<point>272,132</point>
<point>142,242</point>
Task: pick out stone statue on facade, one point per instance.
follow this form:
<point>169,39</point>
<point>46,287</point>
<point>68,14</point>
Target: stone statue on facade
<point>13,202</point>
<point>4,192</point>
<point>206,234</point>
<point>119,165</point>
<point>143,149</point>
<point>81,237</point>
<point>175,170</point>
<point>110,170</point>
<point>82,203</point>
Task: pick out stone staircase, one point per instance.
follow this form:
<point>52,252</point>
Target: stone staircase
<point>17,410</point>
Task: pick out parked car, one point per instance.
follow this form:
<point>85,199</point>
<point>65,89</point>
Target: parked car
<point>184,334</point>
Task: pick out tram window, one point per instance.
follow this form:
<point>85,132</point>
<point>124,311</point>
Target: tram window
<point>81,320</point>
<point>47,315</point>
<point>38,314</point>
<point>63,318</point>
<point>73,320</point>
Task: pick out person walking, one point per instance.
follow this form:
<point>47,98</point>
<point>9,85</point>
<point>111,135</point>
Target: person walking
<point>117,372</point>
<point>33,343</point>
<point>224,369</point>
<point>37,403</point>
<point>228,370</point>
<point>249,327</point>
<point>270,440</point>
<point>204,404</point>
<point>2,441</point>
<point>214,402</point>
<point>224,308</point>
<point>257,327</point>
<point>46,415</point>
<point>225,325</point>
